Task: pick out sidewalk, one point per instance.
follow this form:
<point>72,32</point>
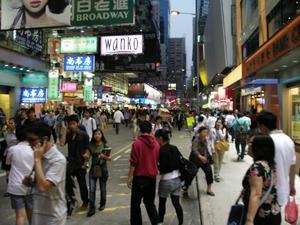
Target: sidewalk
<point>215,210</point>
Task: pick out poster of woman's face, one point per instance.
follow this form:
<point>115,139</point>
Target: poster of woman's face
<point>20,14</point>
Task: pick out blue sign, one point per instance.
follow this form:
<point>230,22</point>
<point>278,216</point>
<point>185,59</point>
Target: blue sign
<point>100,91</point>
<point>33,95</point>
<point>79,63</point>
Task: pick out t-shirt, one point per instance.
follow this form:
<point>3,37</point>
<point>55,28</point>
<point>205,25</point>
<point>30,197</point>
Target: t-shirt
<point>118,117</point>
<point>76,149</point>
<point>270,206</point>
<point>90,125</point>
<point>285,157</point>
<point>20,157</point>
<point>51,205</point>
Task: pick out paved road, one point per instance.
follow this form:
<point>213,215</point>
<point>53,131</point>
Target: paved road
<point>118,201</point>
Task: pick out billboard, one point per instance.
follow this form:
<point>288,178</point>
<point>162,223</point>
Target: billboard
<point>79,63</point>
<point>104,12</point>
<point>33,95</point>
<point>18,14</point>
<point>68,86</point>
<point>122,45</point>
<point>78,45</point>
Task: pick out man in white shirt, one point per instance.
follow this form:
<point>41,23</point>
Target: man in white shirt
<point>285,155</point>
<point>211,121</point>
<point>118,118</point>
<point>50,207</point>
<point>229,120</point>
<point>20,157</point>
<point>89,123</point>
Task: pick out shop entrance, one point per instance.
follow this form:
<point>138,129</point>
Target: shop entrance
<point>5,100</point>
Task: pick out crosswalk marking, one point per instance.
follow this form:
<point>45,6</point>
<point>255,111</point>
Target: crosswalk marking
<point>128,150</point>
<point>116,208</point>
<point>122,177</point>
<point>122,184</point>
<point>115,159</point>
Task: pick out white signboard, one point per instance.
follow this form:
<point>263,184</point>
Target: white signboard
<point>122,45</point>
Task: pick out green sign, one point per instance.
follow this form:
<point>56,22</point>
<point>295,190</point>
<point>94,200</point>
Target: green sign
<point>53,92</point>
<point>79,45</point>
<point>88,91</point>
<point>102,12</point>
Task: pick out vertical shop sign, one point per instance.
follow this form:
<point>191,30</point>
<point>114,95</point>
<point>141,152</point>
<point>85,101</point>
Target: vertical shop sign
<point>99,91</point>
<point>103,12</point>
<point>88,91</point>
<point>53,84</point>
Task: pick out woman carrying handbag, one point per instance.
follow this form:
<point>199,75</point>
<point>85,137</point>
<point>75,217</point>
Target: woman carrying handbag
<point>260,194</point>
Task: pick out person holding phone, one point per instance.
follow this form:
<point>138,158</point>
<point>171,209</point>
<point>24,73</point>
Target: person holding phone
<point>100,154</point>
<point>50,207</point>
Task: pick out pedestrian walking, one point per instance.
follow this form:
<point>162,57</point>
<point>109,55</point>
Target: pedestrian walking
<point>89,123</point>
<point>59,123</point>
<point>260,193</point>
<point>170,183</point>
<point>118,118</point>
<point>241,128</point>
<point>285,155</point>
<point>202,158</point>
<point>134,124</point>
<point>78,155</point>
<point>49,198</point>
<point>219,135</point>
<point>50,120</point>
<point>103,120</point>
<point>100,154</point>
<point>179,120</point>
<point>229,120</point>
<point>142,175</point>
<point>157,125</point>
<point>20,158</point>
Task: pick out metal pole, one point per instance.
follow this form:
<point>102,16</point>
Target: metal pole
<point>197,56</point>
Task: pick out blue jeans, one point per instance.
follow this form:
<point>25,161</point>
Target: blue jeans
<point>93,187</point>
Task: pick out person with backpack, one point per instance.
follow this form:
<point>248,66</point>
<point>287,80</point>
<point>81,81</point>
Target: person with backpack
<point>241,128</point>
<point>170,183</point>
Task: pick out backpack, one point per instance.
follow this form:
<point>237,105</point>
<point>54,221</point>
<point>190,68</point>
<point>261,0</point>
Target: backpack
<point>187,169</point>
<point>241,135</point>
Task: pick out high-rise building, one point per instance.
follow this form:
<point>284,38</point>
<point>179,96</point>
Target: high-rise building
<point>177,64</point>
<point>156,12</point>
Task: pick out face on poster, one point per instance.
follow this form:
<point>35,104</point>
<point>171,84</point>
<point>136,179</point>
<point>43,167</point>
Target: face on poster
<point>19,14</point>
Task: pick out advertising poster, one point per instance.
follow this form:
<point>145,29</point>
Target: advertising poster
<point>20,14</point>
<point>104,12</point>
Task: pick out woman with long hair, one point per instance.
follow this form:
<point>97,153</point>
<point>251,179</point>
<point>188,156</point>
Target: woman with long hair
<point>32,13</point>
<point>100,154</point>
<point>258,180</point>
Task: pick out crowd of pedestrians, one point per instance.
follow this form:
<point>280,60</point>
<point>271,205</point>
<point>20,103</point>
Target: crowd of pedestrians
<point>41,179</point>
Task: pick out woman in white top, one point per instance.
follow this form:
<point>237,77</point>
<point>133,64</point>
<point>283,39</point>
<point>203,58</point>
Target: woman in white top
<point>218,133</point>
<point>157,125</point>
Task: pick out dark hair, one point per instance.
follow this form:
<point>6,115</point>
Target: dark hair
<point>158,118</point>
<point>161,133</point>
<point>200,119</point>
<point>145,127</point>
<point>31,110</point>
<point>57,6</point>
<point>267,118</point>
<point>202,129</point>
<point>39,129</point>
<point>263,148</point>
<point>72,118</point>
<point>21,133</point>
<point>103,139</point>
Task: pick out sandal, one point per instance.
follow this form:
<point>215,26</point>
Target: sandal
<point>210,193</point>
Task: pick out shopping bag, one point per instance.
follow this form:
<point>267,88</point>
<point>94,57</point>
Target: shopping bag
<point>222,145</point>
<point>236,215</point>
<point>291,212</point>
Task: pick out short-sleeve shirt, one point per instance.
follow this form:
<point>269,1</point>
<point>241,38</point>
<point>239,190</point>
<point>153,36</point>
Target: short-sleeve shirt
<point>270,206</point>
<point>51,205</point>
<point>76,148</point>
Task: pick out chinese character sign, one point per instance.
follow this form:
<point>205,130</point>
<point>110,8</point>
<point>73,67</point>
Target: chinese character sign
<point>79,63</point>
<point>103,12</point>
<point>88,91</point>
<point>79,45</point>
<point>53,84</point>
<point>33,95</point>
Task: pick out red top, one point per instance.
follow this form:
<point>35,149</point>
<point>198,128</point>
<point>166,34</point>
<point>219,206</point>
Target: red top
<point>144,156</point>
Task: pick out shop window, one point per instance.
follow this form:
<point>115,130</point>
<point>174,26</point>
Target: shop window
<point>295,114</point>
<point>283,13</point>
<point>251,45</point>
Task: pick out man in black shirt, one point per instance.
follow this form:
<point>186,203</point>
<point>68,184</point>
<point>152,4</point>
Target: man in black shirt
<point>78,156</point>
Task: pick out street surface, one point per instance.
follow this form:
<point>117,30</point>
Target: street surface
<point>214,209</point>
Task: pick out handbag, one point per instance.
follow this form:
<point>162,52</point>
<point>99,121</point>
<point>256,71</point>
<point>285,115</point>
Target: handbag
<point>222,145</point>
<point>291,212</point>
<point>237,214</point>
<point>97,171</point>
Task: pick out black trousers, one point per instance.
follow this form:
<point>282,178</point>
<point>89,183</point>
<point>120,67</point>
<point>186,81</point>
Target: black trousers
<point>177,206</point>
<point>54,134</point>
<point>208,175</point>
<point>80,176</point>
<point>143,188</point>
<point>117,127</point>
<point>270,220</point>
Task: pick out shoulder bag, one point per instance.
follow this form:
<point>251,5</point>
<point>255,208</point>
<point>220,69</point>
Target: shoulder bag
<point>237,214</point>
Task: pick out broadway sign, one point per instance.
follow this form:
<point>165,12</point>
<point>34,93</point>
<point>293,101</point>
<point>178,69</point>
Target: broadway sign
<point>103,12</point>
<point>122,45</point>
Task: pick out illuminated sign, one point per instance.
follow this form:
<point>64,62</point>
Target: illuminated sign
<point>53,80</point>
<point>79,63</point>
<point>33,95</point>
<point>122,45</point>
<point>66,86</point>
<point>79,45</point>
<point>233,76</point>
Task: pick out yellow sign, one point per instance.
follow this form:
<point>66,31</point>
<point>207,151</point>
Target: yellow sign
<point>233,77</point>
<point>203,73</point>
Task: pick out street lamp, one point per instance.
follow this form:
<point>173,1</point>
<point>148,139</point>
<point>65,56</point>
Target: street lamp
<point>176,13</point>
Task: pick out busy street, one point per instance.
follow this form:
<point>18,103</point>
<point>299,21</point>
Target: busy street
<point>161,112</point>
